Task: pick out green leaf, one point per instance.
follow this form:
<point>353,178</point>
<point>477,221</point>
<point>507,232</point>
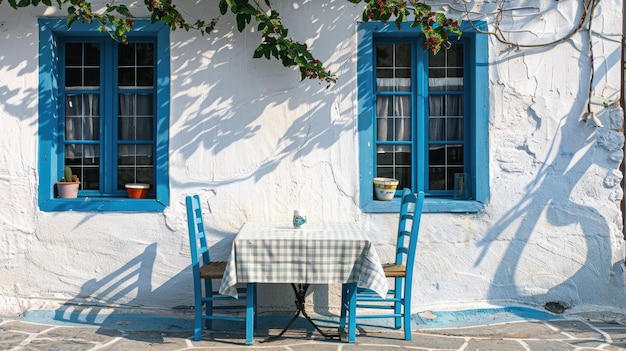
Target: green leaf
<point>241,22</point>
<point>35,2</point>
<point>13,4</point>
<point>247,9</point>
<point>23,3</point>
<point>124,11</point>
<point>258,52</point>
<point>223,7</point>
<point>47,2</point>
<point>110,8</point>
<point>71,17</point>
<point>366,15</point>
<point>232,4</point>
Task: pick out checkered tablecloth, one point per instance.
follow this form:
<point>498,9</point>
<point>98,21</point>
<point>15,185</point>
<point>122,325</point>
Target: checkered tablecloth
<point>314,254</point>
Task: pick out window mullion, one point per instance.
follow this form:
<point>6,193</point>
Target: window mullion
<point>421,119</point>
<point>107,173</point>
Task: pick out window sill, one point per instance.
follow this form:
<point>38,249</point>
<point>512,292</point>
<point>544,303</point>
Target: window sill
<point>102,204</point>
<point>431,205</point>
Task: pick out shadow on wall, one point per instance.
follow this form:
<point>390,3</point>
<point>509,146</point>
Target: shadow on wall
<point>104,304</point>
<point>555,196</point>
<point>96,303</point>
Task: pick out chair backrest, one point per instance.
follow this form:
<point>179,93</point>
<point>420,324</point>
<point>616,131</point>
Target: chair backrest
<point>408,229</point>
<point>197,234</point>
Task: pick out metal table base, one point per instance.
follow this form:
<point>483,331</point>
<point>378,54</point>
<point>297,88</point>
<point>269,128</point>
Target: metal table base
<point>300,291</point>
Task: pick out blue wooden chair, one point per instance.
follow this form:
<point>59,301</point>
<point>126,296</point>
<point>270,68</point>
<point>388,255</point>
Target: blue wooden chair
<point>204,271</point>
<point>397,303</point>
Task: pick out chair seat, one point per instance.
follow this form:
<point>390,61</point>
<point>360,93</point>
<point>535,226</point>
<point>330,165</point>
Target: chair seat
<point>393,270</point>
<point>213,270</point>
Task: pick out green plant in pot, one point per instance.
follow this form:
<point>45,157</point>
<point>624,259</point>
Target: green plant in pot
<point>67,187</point>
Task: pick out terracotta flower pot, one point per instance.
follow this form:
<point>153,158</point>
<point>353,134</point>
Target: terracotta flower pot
<point>137,190</point>
<point>67,190</point>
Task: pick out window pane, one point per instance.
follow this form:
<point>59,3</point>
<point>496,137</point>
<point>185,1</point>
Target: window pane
<point>436,128</point>
<point>454,105</point>
<point>135,117</point>
<point>393,129</point>
<point>444,161</point>
<point>144,77</point>
<point>455,155</point>
<point>82,65</point>
<point>446,70</point>
<point>437,155</point>
<point>126,77</point>
<point>402,55</point>
<point>145,54</point>
<point>454,128</point>
<point>384,55</point>
<point>72,54</point>
<point>393,67</point>
<point>85,163</point>
<point>450,176</point>
<point>394,161</point>
<point>393,105</point>
<point>92,54</point>
<point>136,65</point>
<point>446,120</point>
<point>82,117</point>
<point>403,174</point>
<point>135,164</point>
<point>126,54</point>
<point>437,178</point>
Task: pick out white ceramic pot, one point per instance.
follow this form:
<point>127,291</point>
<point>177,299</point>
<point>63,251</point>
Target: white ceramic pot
<point>385,188</point>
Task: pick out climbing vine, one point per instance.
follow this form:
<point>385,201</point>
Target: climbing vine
<point>117,20</point>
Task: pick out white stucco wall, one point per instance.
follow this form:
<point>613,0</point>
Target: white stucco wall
<point>256,143</point>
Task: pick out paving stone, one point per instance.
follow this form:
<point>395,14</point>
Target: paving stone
<point>147,341</point>
<point>577,329</point>
<point>554,335</point>
<point>58,345</point>
<point>8,339</point>
<point>97,335</point>
<point>520,330</point>
<point>24,327</point>
<point>494,345</point>
<point>548,345</point>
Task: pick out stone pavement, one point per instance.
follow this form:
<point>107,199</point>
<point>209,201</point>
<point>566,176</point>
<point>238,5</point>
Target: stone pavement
<point>579,332</point>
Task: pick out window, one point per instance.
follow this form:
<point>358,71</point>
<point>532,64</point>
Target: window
<point>423,118</point>
<point>103,111</point>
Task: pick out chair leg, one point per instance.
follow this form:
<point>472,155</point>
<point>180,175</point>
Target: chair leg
<point>398,291</point>
<point>250,311</point>
<point>197,319</point>
<point>351,299</point>
<point>407,325</point>
<point>254,303</point>
<point>344,306</point>
<point>208,290</point>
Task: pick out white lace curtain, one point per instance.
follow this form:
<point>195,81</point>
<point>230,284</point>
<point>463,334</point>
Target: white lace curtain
<point>82,122</point>
<point>393,112</point>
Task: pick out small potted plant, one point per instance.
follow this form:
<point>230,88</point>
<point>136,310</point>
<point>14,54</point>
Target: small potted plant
<point>67,187</point>
<point>137,190</point>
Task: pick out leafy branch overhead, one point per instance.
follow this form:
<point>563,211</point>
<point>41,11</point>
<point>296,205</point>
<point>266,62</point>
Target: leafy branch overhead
<point>117,20</point>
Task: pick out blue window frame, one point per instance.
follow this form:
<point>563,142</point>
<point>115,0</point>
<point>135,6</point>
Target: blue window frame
<point>423,118</point>
<point>103,111</point>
